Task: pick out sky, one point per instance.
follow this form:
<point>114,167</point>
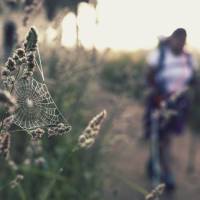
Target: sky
<point>132,24</point>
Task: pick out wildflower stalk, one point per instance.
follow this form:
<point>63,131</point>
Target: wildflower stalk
<point>19,188</point>
<point>21,192</point>
<point>132,185</point>
<point>45,194</point>
<point>55,176</point>
<point>11,64</point>
<point>47,174</point>
<point>88,137</point>
<point>2,119</point>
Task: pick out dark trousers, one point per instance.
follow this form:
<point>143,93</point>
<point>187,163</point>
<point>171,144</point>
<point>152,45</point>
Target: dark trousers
<point>174,123</point>
<point>167,126</point>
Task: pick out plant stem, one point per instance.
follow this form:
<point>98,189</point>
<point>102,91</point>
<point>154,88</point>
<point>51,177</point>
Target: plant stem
<point>129,183</point>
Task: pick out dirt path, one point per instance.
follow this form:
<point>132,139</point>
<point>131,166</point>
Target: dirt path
<point>125,156</point>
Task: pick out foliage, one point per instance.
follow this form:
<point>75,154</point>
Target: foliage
<point>51,169</point>
<point>123,75</point>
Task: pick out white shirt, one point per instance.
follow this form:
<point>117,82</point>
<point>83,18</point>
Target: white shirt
<point>176,71</point>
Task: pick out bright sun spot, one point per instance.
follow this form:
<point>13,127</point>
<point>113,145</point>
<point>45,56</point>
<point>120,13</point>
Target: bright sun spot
<point>69,30</point>
<point>87,25</point>
<point>130,24</point>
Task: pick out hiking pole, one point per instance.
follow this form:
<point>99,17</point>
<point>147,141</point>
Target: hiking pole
<point>154,147</point>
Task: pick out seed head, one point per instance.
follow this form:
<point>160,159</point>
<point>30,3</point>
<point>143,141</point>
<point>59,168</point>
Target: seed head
<point>87,138</point>
<point>59,129</point>
<point>30,57</point>
<point>30,65</point>
<point>10,64</point>
<point>6,98</point>
<point>156,193</point>
<point>5,72</point>
<point>89,142</point>
<point>5,144</point>
<point>7,122</point>
<point>27,161</point>
<point>15,57</point>
<point>51,132</point>
<point>31,40</point>
<point>27,74</point>
<point>97,120</point>
<point>40,161</point>
<point>150,196</point>
<point>37,133</point>
<point>16,181</point>
<point>20,52</point>
<point>12,165</point>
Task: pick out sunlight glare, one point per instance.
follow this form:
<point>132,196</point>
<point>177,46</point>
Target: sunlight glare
<point>68,38</point>
<point>132,24</point>
<point>87,25</point>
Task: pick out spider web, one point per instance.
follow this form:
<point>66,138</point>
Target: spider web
<point>36,107</point>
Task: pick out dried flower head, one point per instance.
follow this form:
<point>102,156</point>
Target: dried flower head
<point>40,161</point>
<point>27,161</point>
<point>150,196</point>
<point>16,58</point>
<point>7,122</point>
<point>12,165</point>
<point>160,188</point>
<point>27,74</point>
<point>30,57</point>
<point>82,141</point>
<point>10,64</point>
<point>5,73</point>
<point>87,138</point>
<point>26,55</point>
<point>20,52</point>
<point>4,144</point>
<point>156,193</point>
<point>14,183</point>
<point>30,65</point>
<point>8,82</point>
<point>59,129</point>
<point>8,100</point>
<point>37,133</point>
<point>97,120</point>
<point>31,40</point>
<point>51,131</point>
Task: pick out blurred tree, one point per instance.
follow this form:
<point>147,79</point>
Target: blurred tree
<point>28,2</point>
<point>12,4</point>
<point>52,7</point>
<point>9,37</point>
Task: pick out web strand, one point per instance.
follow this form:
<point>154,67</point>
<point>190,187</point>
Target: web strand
<point>36,107</point>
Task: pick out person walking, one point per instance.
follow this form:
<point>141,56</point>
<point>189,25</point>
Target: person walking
<point>170,73</point>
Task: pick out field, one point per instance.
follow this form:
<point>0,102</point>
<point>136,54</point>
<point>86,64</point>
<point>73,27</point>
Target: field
<point>101,95</point>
